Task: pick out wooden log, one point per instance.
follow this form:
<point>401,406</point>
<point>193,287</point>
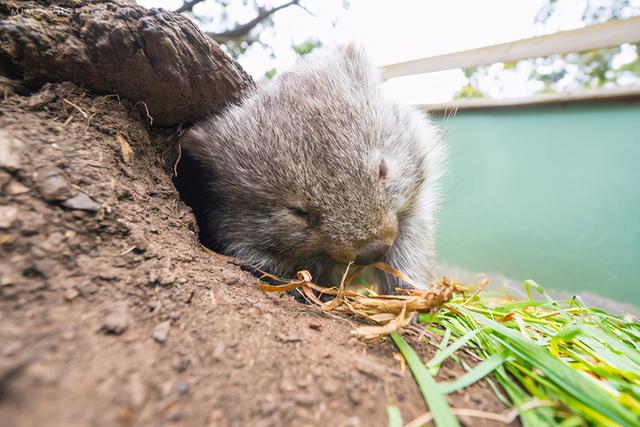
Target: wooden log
<point>157,59</point>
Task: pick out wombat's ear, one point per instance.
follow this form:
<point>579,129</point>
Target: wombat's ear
<point>358,61</point>
<point>353,52</point>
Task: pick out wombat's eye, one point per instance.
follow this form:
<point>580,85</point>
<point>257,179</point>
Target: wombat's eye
<point>303,214</point>
<point>299,212</point>
<point>383,171</point>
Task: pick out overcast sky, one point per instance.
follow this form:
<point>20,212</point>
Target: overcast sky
<point>399,30</point>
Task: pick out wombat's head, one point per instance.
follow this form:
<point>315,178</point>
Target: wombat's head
<point>316,169</point>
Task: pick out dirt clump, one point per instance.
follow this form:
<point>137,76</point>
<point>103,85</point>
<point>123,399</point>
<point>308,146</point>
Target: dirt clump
<point>111,314</point>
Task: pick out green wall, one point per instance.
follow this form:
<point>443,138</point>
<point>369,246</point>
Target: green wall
<point>549,193</point>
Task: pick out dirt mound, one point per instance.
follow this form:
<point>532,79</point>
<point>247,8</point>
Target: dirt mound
<point>112,314</point>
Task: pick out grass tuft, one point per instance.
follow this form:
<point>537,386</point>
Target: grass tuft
<point>558,362</point>
<point>554,362</point>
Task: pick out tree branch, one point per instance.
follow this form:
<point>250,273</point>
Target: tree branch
<point>188,6</point>
<point>243,30</point>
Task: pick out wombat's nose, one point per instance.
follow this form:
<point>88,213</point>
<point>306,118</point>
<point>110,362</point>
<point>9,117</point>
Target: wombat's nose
<point>371,252</point>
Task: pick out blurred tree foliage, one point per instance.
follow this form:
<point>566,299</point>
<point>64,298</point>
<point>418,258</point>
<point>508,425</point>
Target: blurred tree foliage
<point>590,69</point>
<point>238,36</point>
<point>306,47</point>
<point>301,49</point>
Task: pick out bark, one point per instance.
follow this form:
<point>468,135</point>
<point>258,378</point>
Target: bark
<point>157,59</point>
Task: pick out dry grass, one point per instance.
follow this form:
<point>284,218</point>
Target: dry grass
<point>388,313</point>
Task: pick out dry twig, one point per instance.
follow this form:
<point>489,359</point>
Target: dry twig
<point>146,109</point>
<point>80,110</point>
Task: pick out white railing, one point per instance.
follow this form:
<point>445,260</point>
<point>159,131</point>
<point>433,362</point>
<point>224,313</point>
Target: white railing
<point>600,36</point>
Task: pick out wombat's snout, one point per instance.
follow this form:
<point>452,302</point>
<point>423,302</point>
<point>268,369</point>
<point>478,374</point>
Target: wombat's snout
<point>376,249</point>
<point>371,253</point>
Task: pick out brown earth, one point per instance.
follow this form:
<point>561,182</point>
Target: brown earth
<point>111,314</point>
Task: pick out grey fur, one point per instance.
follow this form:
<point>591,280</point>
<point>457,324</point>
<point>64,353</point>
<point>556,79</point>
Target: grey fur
<point>313,138</point>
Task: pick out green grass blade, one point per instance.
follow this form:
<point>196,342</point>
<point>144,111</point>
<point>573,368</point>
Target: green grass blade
<point>613,343</point>
<point>561,375</point>
<point>444,354</point>
<point>445,340</point>
<point>572,422</point>
<point>433,397</point>
<point>394,416</point>
<point>481,370</point>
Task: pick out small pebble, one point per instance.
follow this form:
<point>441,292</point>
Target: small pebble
<point>52,185</point>
<point>8,215</point>
<point>330,386</point>
<point>167,278</point>
<point>81,202</point>
<point>355,397</point>
<point>269,405</point>
<point>154,275</point>
<point>189,297</point>
<point>161,331</point>
<point>117,318</point>
<point>305,399</point>
<point>182,364</point>
<point>14,187</point>
<point>218,350</point>
<point>230,278</point>
<point>182,389</point>
<point>10,148</point>
<point>71,294</point>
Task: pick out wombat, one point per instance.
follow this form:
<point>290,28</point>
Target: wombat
<point>318,168</point>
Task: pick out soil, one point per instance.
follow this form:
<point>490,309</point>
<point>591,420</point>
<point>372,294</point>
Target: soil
<point>112,314</point>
